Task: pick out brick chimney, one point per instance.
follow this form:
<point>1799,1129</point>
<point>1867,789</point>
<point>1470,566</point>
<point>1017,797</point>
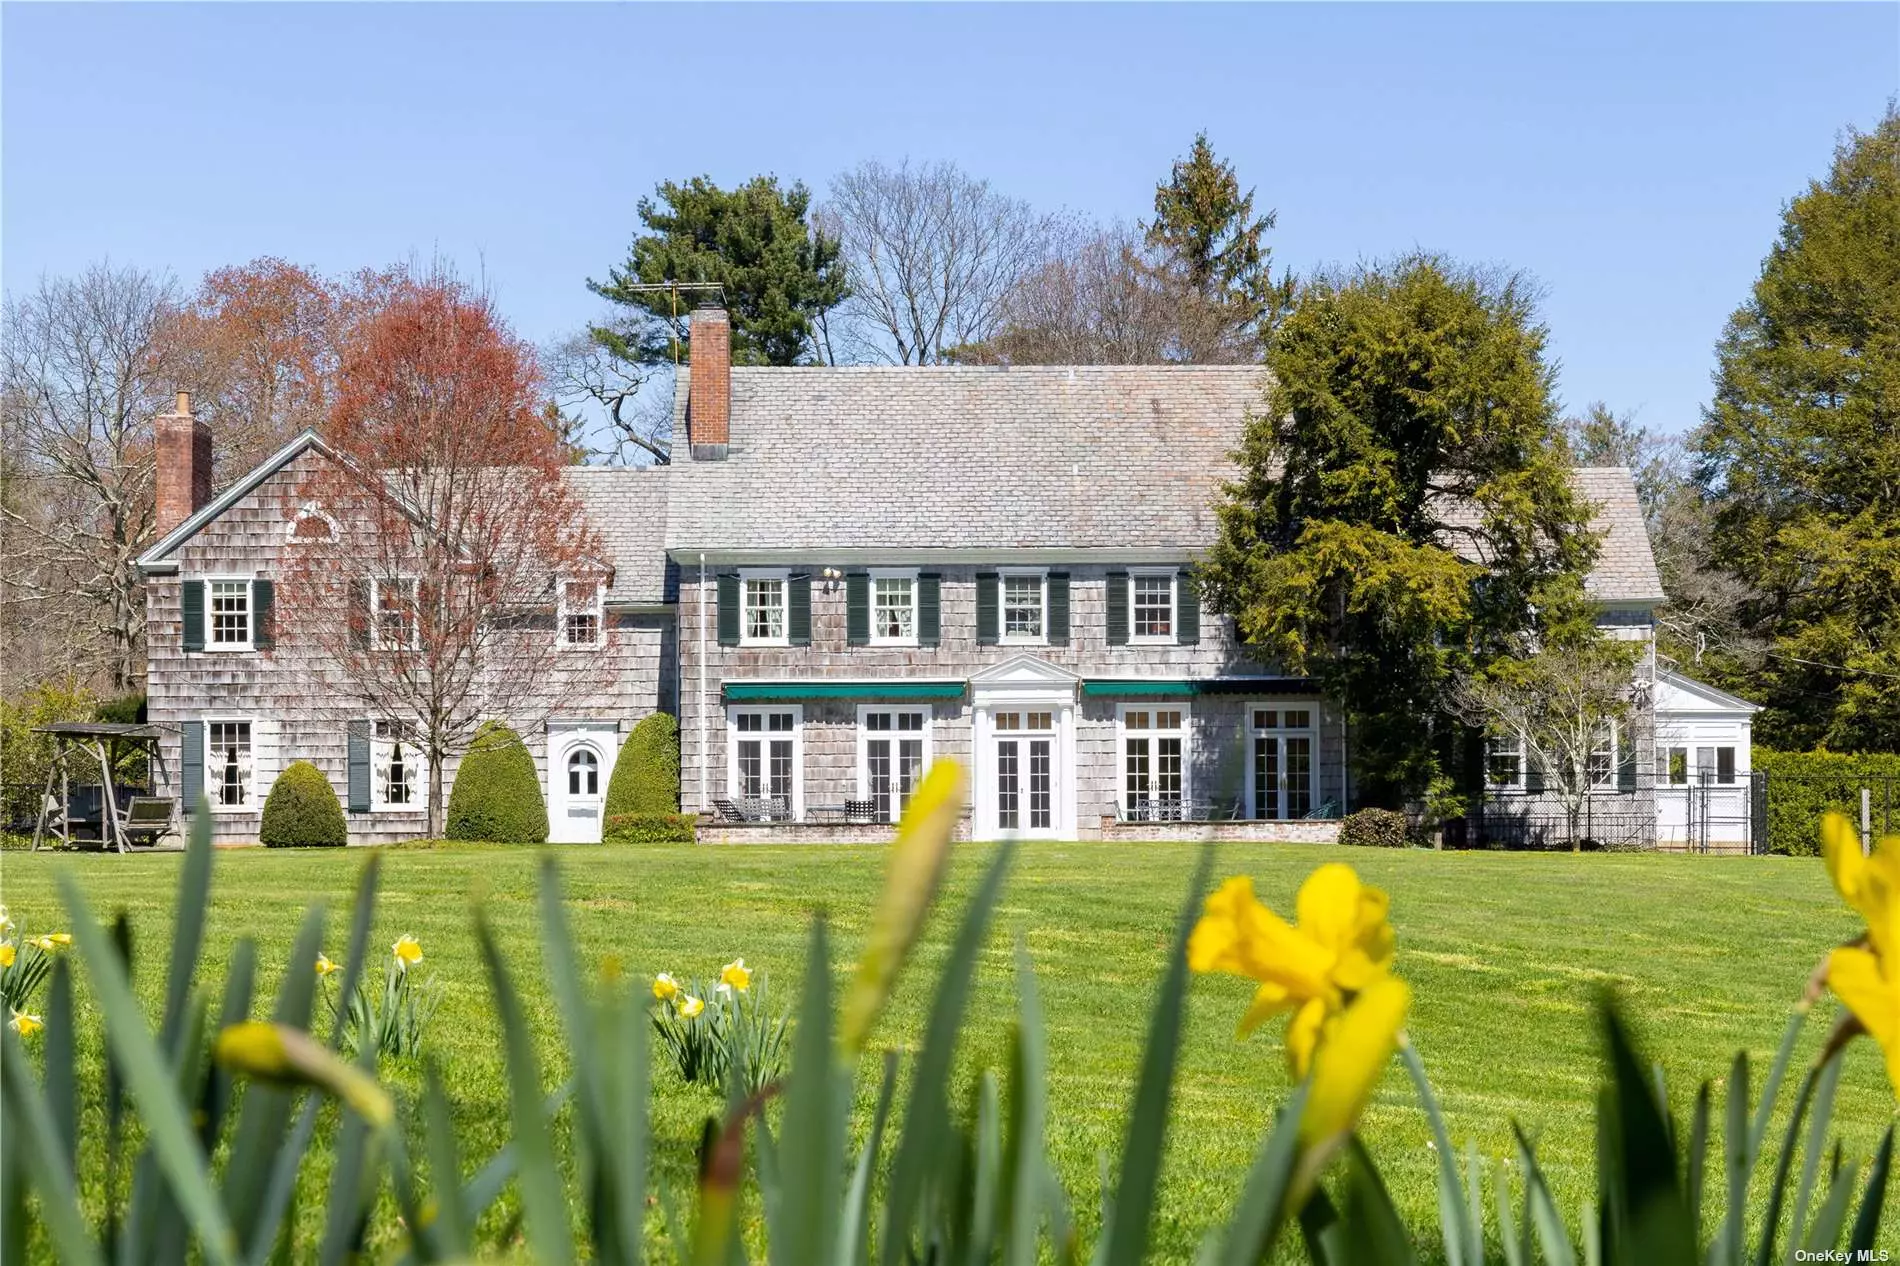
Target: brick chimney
<point>184,465</point>
<point>709,387</point>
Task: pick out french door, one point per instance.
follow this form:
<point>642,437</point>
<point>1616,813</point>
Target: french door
<point>1282,768</point>
<point>1024,772</point>
<point>893,759</point>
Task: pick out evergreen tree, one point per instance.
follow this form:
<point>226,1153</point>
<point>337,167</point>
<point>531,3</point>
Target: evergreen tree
<point>1799,455</point>
<point>1208,243</point>
<point>1409,432</point>
<point>780,274</point>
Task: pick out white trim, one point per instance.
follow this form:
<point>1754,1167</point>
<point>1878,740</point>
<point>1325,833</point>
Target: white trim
<point>1516,784</point>
<point>155,559</point>
<point>875,574</point>
<point>1312,730</point>
<point>602,739</point>
<point>418,802</point>
<point>308,510</point>
<point>1720,702</point>
<point>253,802</point>
<point>561,612</point>
<point>414,641</point>
<point>1173,576</point>
<point>733,712</point>
<point>783,575</point>
<point>1122,734</point>
<point>924,710</point>
<point>1003,636</point>
<point>927,557</point>
<point>1025,683</point>
<point>249,644</point>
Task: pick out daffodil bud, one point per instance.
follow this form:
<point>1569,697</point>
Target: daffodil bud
<point>284,1056</point>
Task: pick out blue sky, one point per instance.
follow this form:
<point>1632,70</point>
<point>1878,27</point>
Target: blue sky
<point>1634,159</point>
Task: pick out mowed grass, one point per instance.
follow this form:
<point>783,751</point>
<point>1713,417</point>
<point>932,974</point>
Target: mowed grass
<point>1505,954</point>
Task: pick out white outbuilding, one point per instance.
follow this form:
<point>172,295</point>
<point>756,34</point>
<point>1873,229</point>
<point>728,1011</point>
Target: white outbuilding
<point>1705,799</point>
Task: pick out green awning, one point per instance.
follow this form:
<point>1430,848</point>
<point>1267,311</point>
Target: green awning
<point>793,691</point>
<point>1185,688</point>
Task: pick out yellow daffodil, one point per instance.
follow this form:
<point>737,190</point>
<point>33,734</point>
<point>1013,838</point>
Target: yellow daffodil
<point>689,1006</point>
<point>8,952</point>
<point>325,966</point>
<point>408,951</point>
<point>1353,1049</point>
<point>48,942</point>
<point>665,988</point>
<point>25,1025</point>
<point>1341,946</point>
<point>736,974</point>
<point>1866,976</point>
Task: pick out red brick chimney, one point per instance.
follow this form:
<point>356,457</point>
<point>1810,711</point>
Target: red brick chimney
<point>184,465</point>
<point>709,387</point>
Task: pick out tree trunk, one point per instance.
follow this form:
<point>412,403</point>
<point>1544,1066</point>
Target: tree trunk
<point>436,825</point>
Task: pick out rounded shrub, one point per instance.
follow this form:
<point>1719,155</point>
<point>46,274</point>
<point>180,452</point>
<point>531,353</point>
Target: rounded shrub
<point>302,811</point>
<point>497,793</point>
<point>1374,828</point>
<point>646,778</point>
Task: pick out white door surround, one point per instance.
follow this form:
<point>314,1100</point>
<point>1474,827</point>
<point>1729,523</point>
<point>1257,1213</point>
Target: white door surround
<point>580,761</point>
<point>1023,748</point>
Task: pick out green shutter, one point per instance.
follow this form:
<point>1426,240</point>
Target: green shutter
<point>728,609</point>
<point>1118,608</point>
<point>191,603</point>
<point>1625,760</point>
<point>988,614</point>
<point>359,767</point>
<point>857,608</point>
<point>263,614</point>
<point>358,615</point>
<point>1533,772</point>
<point>1058,608</point>
<point>929,609</point>
<point>798,610</point>
<point>191,763</point>
<point>1187,610</point>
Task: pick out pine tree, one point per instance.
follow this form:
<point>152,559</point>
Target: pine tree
<point>1408,433</point>
<point>1799,456</point>
<point>779,273</point>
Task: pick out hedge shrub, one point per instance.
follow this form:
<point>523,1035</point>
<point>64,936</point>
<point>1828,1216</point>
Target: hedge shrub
<point>497,793</point>
<point>1802,786</point>
<point>1374,828</point>
<point>302,811</point>
<point>646,778</point>
<point>650,828</point>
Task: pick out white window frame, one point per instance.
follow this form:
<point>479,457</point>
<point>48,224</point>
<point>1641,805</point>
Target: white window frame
<point>865,736</point>
<point>252,803</point>
<point>1494,743</point>
<point>1611,784</point>
<point>309,512</point>
<point>783,575</point>
<point>1173,577</point>
<point>908,574</point>
<point>737,710</point>
<point>250,614</point>
<point>1003,636</point>
<point>1123,734</point>
<point>379,754</point>
<point>1315,723</point>
<point>597,609</point>
<point>414,640</point>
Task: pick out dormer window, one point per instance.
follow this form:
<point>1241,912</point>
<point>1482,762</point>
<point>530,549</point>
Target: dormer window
<point>582,615</point>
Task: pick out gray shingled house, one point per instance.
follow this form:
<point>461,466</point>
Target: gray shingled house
<point>850,572</point>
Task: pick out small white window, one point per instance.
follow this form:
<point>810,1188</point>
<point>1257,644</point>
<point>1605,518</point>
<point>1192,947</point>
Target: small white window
<point>762,610</point>
<point>1154,764</point>
<point>1504,761</point>
<point>581,614</point>
<point>894,608</point>
<point>394,613</point>
<point>230,602</point>
<point>1600,772</point>
<point>395,766</point>
<point>1025,603</point>
<point>1152,606</point>
<point>583,773</point>
<point>229,767</point>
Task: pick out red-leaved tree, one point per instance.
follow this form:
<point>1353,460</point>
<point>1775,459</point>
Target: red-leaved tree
<point>427,555</point>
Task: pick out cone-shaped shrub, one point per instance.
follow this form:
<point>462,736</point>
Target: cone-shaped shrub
<point>497,794</point>
<point>646,775</point>
<point>301,811</point>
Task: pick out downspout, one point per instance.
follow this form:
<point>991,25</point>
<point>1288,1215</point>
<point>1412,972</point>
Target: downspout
<point>704,752</point>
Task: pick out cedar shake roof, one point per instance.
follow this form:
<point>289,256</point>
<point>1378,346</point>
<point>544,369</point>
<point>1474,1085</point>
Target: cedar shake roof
<point>627,506</point>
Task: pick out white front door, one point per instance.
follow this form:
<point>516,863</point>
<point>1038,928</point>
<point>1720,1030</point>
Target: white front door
<point>1023,775</point>
<point>1024,748</point>
<point>580,760</point>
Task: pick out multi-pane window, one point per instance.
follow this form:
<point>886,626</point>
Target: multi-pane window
<point>1023,608</point>
<point>1153,606</point>
<point>393,604</point>
<point>580,613</point>
<point>1600,767</point>
<point>1282,767</point>
<point>765,758</point>
<point>763,609</point>
<point>228,763</point>
<point>893,609</point>
<point>394,766</point>
<point>1154,777</point>
<point>894,757</point>
<point>1025,771</point>
<point>1678,765</point>
<point>1504,760</point>
<point>583,773</point>
<point>230,612</point>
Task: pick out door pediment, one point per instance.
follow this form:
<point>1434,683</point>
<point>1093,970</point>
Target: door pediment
<point>1023,677</point>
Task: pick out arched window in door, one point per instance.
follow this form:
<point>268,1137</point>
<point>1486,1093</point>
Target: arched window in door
<point>583,773</point>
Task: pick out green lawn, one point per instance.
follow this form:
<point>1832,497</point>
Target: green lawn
<point>1504,954</point>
